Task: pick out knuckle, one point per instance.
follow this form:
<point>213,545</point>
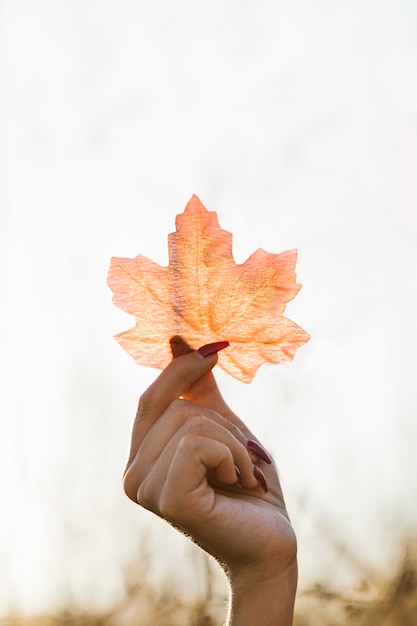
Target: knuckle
<point>168,508</point>
<point>197,420</point>
<point>133,480</point>
<point>130,484</point>
<point>145,403</point>
<point>197,424</point>
<point>171,507</point>
<point>149,493</point>
<point>176,405</point>
<point>188,443</point>
<point>144,496</point>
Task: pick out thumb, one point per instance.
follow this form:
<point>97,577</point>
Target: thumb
<point>171,384</point>
<point>204,391</point>
<point>176,380</point>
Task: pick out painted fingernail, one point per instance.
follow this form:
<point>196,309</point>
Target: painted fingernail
<point>211,348</point>
<point>259,475</point>
<point>259,451</point>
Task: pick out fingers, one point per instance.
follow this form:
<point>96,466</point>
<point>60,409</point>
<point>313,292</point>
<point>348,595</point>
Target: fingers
<point>208,455</point>
<point>180,419</point>
<point>204,391</point>
<point>173,420</point>
<point>187,449</point>
<point>172,383</point>
<point>164,416</point>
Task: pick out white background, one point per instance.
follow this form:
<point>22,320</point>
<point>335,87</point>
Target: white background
<point>297,123</point>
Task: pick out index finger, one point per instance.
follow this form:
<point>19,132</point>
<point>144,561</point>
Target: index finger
<point>205,391</point>
<point>172,383</point>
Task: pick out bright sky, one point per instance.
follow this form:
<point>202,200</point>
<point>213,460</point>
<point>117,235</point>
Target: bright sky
<point>297,123</point>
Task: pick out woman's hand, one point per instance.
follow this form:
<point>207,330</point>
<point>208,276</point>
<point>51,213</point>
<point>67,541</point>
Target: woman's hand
<point>194,463</point>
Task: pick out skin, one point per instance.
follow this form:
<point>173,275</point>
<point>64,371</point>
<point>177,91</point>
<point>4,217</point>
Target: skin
<point>186,445</point>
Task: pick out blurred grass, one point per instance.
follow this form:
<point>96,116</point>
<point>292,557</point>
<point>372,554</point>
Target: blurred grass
<point>392,602</point>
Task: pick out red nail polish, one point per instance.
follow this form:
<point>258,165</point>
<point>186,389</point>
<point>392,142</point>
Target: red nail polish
<point>259,475</point>
<point>259,451</point>
<point>211,348</point>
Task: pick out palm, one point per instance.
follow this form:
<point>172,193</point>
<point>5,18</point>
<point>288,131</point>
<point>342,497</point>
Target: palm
<point>221,518</point>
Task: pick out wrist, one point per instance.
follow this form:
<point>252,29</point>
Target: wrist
<point>264,591</point>
<point>265,600</point>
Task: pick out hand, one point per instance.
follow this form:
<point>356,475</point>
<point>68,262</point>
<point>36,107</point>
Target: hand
<point>194,463</point>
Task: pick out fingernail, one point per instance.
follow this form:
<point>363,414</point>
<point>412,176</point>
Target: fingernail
<point>211,348</point>
<point>259,475</point>
<point>259,451</point>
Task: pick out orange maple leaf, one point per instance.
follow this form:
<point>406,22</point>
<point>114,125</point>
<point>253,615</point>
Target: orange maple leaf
<point>204,296</point>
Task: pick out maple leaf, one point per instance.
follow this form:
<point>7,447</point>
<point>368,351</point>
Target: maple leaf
<point>204,296</point>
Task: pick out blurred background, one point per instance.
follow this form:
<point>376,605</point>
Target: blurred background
<point>297,123</point>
